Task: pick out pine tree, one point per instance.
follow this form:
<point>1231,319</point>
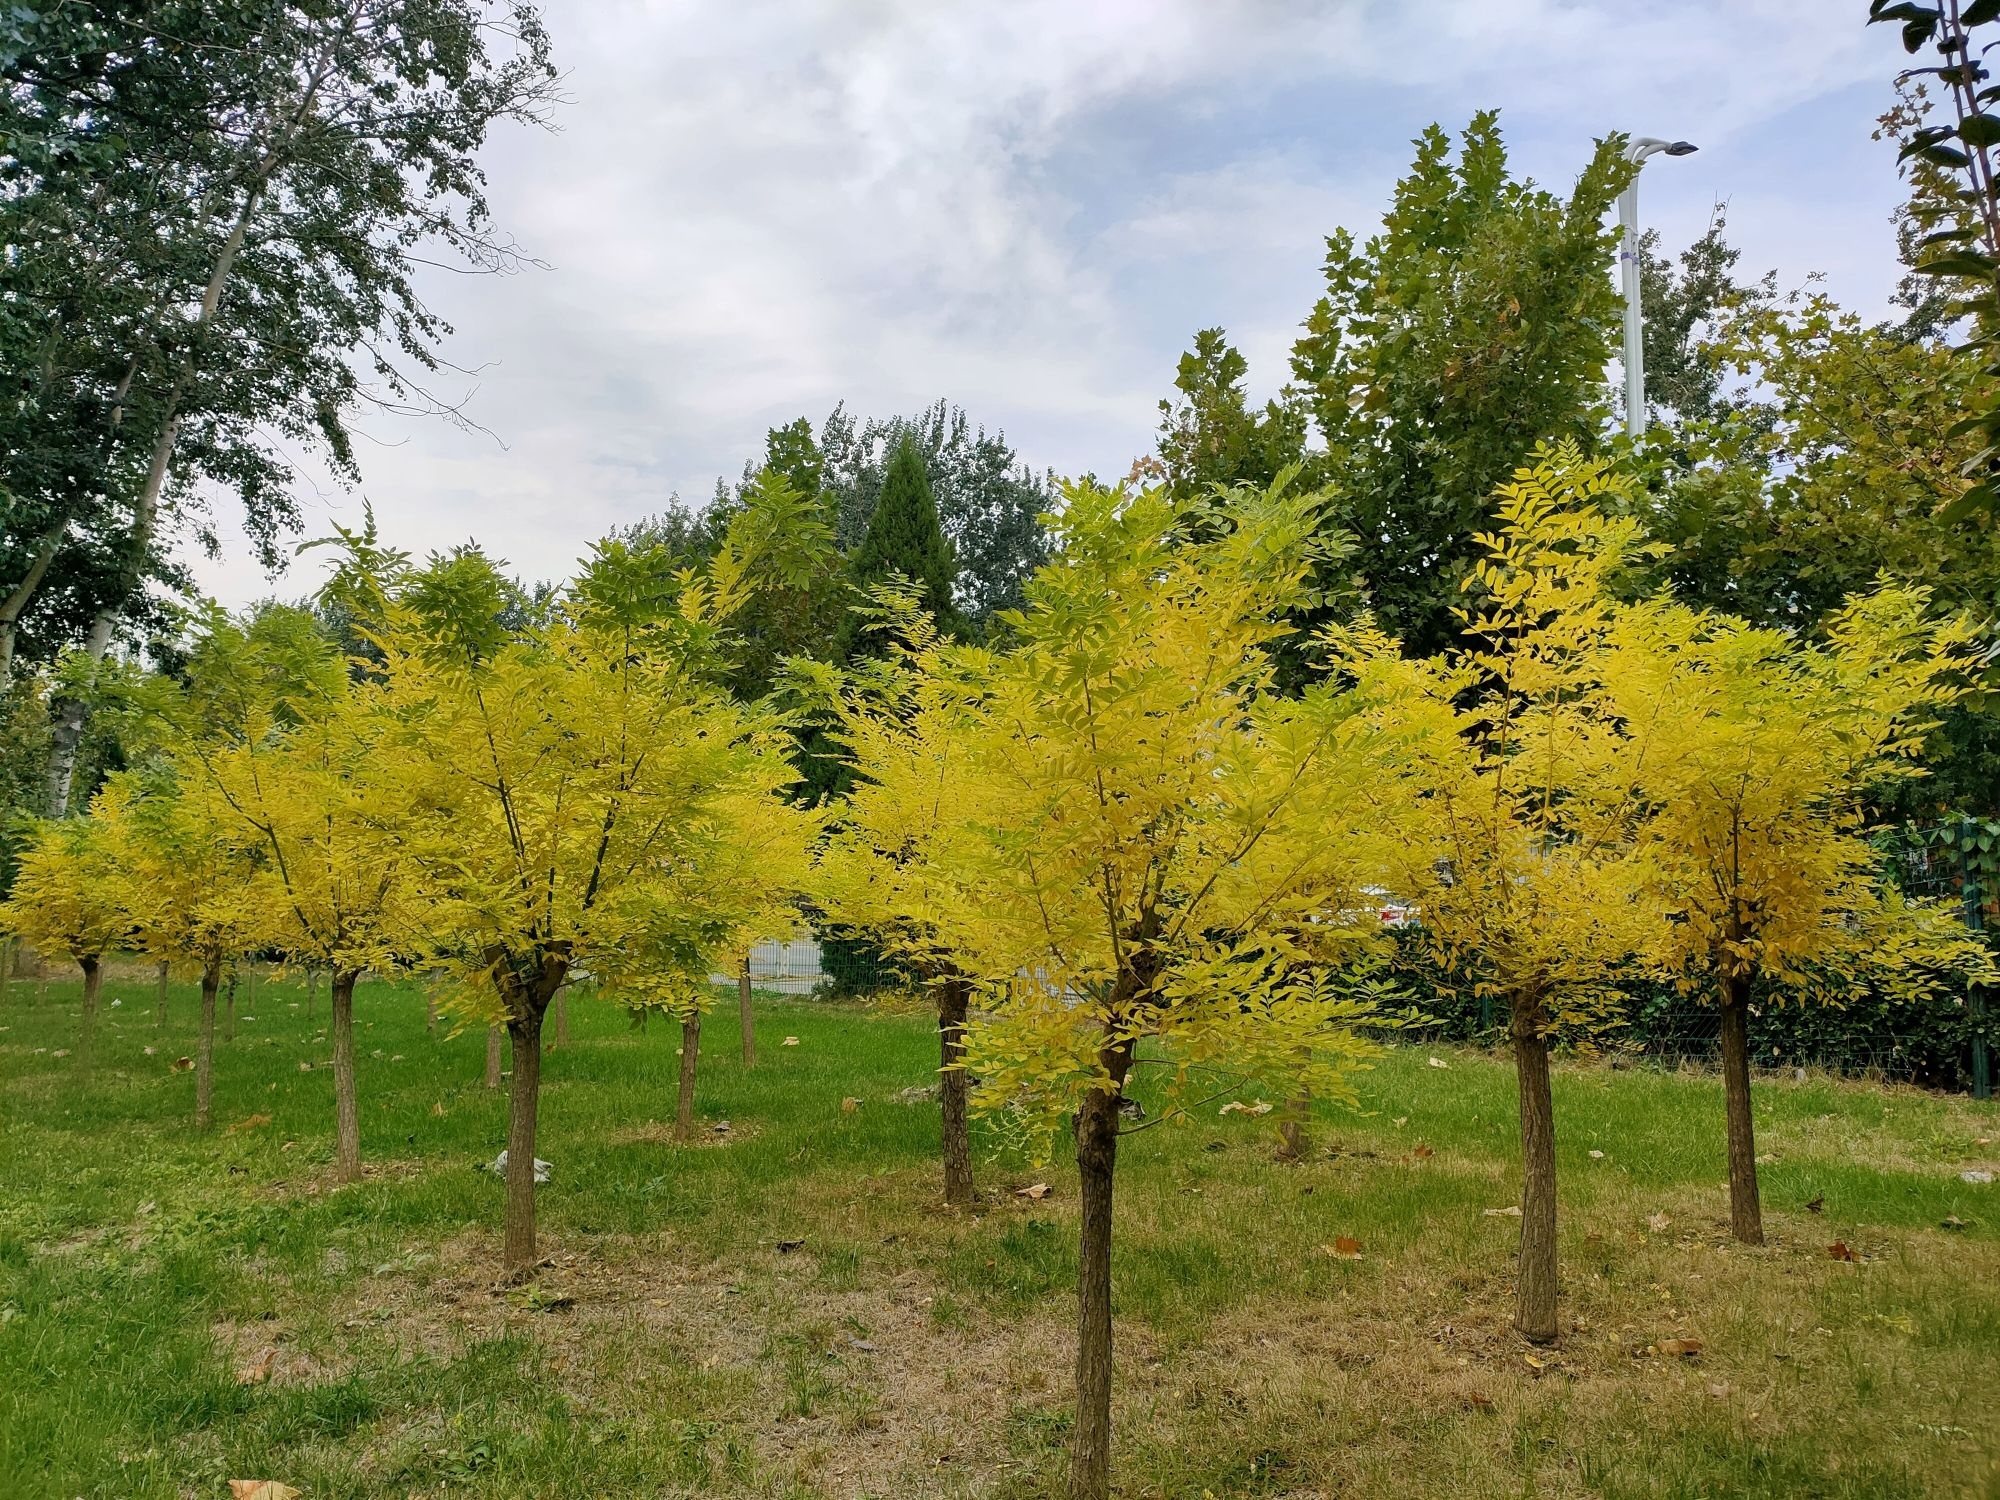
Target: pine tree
<point>904,539</point>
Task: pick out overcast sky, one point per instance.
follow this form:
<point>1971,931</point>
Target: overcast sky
<point>748,212</point>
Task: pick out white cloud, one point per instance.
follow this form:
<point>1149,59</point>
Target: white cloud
<point>750,212</point>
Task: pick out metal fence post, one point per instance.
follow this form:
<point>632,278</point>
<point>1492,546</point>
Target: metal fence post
<point>1975,919</point>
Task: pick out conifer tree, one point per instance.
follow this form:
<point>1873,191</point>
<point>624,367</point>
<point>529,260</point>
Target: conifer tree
<point>904,539</point>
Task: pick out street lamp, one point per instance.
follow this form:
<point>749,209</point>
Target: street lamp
<point>1628,266</point>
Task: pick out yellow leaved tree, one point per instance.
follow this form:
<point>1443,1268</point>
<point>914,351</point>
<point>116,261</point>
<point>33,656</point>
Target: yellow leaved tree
<point>1151,857</point>
<point>900,716</point>
<point>578,768</point>
<point>287,735</point>
<point>69,899</point>
<point>1763,750</point>
<point>1521,850</point>
<point>195,896</point>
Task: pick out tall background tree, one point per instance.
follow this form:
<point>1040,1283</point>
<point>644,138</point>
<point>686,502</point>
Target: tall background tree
<point>1476,324</point>
<point>221,211</point>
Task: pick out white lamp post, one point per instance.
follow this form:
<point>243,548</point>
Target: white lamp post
<point>1628,267</point>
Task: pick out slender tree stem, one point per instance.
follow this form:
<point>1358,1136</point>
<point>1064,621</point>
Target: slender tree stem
<point>346,1108</point>
<point>1746,1213</point>
<point>1535,1282</point>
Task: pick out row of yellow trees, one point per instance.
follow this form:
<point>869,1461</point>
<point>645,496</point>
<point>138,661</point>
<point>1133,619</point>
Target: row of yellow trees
<point>1108,845</point>
<point>1142,856</point>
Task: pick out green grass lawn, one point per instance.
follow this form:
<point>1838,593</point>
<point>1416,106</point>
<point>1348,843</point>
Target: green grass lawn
<point>681,1343</point>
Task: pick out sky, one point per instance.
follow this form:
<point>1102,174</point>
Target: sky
<point>745,213</point>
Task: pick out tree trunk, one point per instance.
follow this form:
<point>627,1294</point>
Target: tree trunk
<point>746,1016</point>
<point>690,1055</point>
<point>1746,1214</point>
<point>954,999</point>
<point>524,1029</point>
<point>431,1009</point>
<point>493,1057</point>
<point>93,980</point>
<point>1292,1142</point>
<point>229,1007</point>
<point>7,950</point>
<point>562,1017</point>
<point>1535,1283</point>
<point>312,988</point>
<point>17,598</point>
<point>346,1110</point>
<point>204,1054</point>
<point>1096,1163</point>
<point>160,1009</point>
<point>65,740</point>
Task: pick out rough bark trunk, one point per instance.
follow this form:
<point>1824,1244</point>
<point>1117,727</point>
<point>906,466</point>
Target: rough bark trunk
<point>493,1057</point>
<point>562,1018</point>
<point>746,1016</point>
<point>346,1109</point>
<point>93,981</point>
<point>954,1000</point>
<point>204,1053</point>
<point>65,740</point>
<point>160,1009</point>
<point>1746,1214</point>
<point>1535,1283</point>
<point>1096,1163</point>
<point>690,1056</point>
<point>1292,1142</point>
<point>524,1029</point>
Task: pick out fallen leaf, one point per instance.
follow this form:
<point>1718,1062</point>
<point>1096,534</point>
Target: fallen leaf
<point>60,1052</point>
<point>1658,1222</point>
<point>1438,1062</point>
<point>1478,1402</point>
<point>1719,1389</point>
<point>147,1050</point>
<point>786,1247</point>
<point>1238,1107</point>
<point>1510,1212</point>
<point>1597,1156</point>
<point>248,1122</point>
<point>1346,1247</point>
<point>1422,1152</point>
<point>1035,1191</point>
<point>260,1489</point>
<point>1534,1363</point>
<point>849,1105</point>
<point>288,1145</point>
<point>437,1110</point>
<point>259,1369</point>
<point>1679,1348</point>
<point>1951,1221</point>
<point>1401,1121</point>
<point>181,1064</point>
<point>305,1067</point>
<point>1817,1206</point>
<point>1838,1251</point>
<point>790,1041</point>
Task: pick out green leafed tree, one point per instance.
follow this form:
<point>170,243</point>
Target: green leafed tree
<point>1476,324</point>
<point>904,541</point>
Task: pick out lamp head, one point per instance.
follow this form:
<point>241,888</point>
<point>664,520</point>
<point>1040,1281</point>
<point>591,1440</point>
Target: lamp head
<point>1682,148</point>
